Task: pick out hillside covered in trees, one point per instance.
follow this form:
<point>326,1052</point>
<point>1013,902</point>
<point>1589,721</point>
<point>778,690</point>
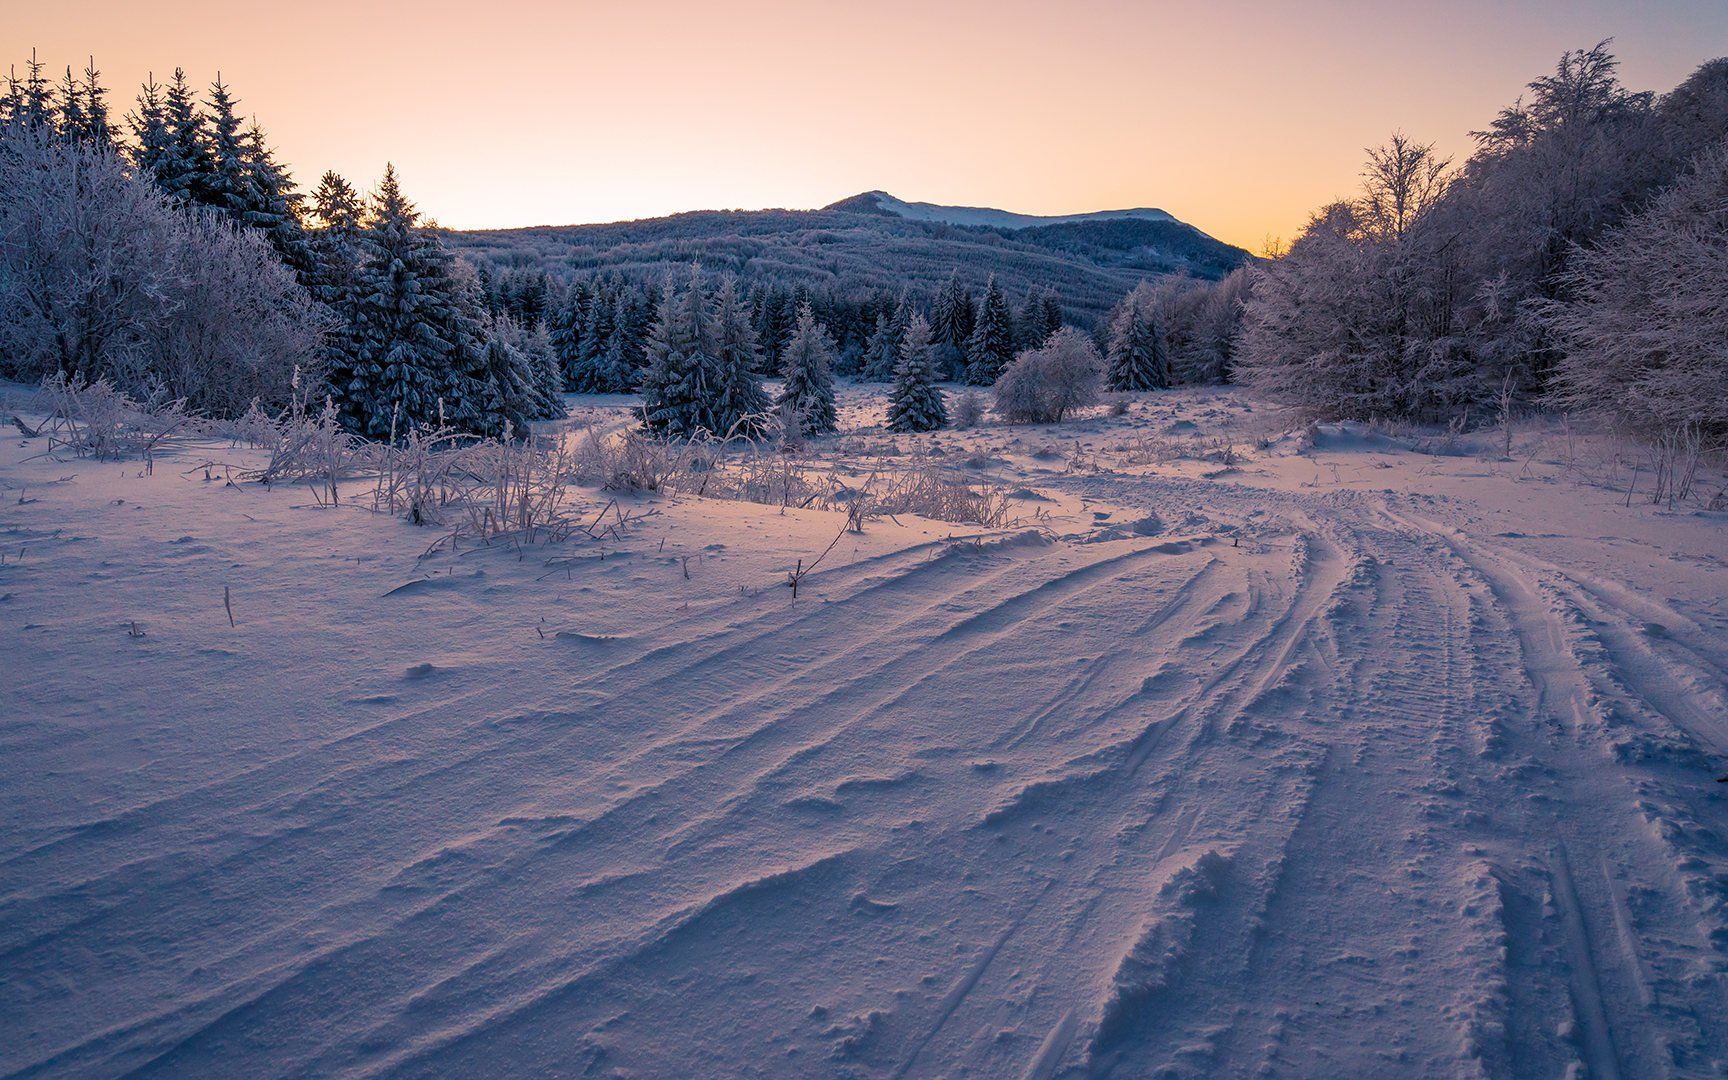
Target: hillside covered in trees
<point>854,247</point>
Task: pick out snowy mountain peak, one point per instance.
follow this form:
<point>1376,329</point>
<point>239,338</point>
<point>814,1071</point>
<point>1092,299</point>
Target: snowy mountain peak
<point>886,205</point>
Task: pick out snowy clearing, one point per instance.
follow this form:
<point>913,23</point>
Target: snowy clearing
<point>1242,752</point>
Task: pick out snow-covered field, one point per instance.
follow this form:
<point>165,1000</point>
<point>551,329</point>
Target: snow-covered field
<point>1329,755</point>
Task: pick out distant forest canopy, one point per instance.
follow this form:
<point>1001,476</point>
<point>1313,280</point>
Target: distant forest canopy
<point>850,250</point>
<point>854,265</point>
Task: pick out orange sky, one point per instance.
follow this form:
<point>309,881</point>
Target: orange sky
<point>1238,117</point>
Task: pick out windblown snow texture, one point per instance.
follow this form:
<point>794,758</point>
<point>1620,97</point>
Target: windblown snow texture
<point>1338,760</point>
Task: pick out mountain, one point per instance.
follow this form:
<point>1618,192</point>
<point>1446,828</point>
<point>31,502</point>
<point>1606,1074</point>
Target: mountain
<point>874,241</point>
<point>880,202</point>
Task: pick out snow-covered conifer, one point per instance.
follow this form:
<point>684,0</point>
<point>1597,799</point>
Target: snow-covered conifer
<point>679,387</point>
<point>991,346</point>
<point>915,403</point>
<point>806,400</point>
<point>740,405</point>
<point>1136,354</point>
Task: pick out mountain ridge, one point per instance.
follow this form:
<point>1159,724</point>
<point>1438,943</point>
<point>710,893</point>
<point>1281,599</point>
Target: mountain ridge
<point>882,203</point>
<point>874,241</point>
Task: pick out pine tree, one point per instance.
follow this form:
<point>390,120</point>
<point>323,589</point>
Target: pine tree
<point>915,403</point>
<point>226,185</point>
<point>564,328</point>
<point>185,161</point>
<point>415,348</point>
<point>991,346</point>
<point>679,388</point>
<point>592,373</point>
<point>1135,358</point>
<point>806,399</point>
<point>740,405</point>
<point>1040,317</point>
<point>334,251</point>
<point>33,99</point>
<point>73,119</point>
<point>950,319</point>
<point>98,128</point>
<point>272,205</point>
<point>548,372</point>
<point>151,144</point>
<point>1051,309</point>
<point>882,352</point>
<point>509,398</point>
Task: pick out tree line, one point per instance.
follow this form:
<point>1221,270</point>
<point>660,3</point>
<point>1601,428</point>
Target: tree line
<point>1578,258</point>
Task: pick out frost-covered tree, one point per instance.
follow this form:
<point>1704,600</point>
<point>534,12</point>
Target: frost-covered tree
<point>680,385</point>
<point>148,123</point>
<point>1349,323</point>
<point>184,164</point>
<point>601,365</point>
<point>740,405</point>
<point>1136,358</point>
<point>1644,332</point>
<point>83,105</point>
<point>990,349</point>
<point>882,350</point>
<point>1040,316</point>
<point>29,102</point>
<point>536,344</point>
<point>273,206</point>
<point>806,399</point>
<point>415,345</point>
<point>951,323</point>
<point>102,277</point>
<point>226,185</point>
<point>1044,385</point>
<point>509,395</point>
<point>915,403</point>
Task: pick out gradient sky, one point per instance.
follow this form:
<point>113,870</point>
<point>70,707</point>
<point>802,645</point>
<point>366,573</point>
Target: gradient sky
<point>1239,117</point>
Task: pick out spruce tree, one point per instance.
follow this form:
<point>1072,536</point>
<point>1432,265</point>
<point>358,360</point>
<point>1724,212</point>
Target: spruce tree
<point>991,346</point>
<point>226,185</point>
<point>592,373</point>
<point>334,250</point>
<point>548,372</point>
<point>1040,317</point>
<point>271,203</point>
<point>33,99</point>
<point>950,323</point>
<point>740,405</point>
<point>679,387</point>
<point>408,364</point>
<point>508,397</point>
<point>915,403</point>
<point>185,163</point>
<point>882,352</point>
<point>73,120</point>
<point>564,329</point>
<point>151,144</point>
<point>806,400</point>
<point>98,128</point>
<point>1051,309</point>
<point>1135,356</point>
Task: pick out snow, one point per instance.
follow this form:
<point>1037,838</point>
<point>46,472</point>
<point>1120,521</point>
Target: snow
<point>1001,219</point>
<point>1343,752</point>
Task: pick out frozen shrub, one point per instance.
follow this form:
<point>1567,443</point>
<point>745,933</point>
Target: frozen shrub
<point>1044,385</point>
<point>1645,332</point>
<point>969,409</point>
<point>102,278</point>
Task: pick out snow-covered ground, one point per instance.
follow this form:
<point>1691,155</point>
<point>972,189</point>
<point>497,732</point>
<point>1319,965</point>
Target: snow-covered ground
<point>1242,752</point>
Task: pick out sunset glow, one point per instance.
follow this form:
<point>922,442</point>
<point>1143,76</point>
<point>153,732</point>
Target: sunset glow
<point>554,113</point>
